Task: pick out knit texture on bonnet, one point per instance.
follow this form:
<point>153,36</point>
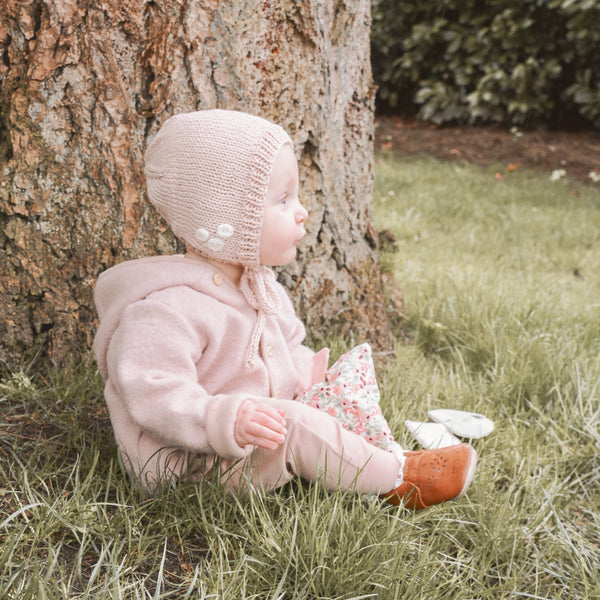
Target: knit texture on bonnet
<point>207,174</point>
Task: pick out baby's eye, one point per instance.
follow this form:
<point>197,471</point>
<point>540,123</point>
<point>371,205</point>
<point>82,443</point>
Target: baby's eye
<point>283,200</point>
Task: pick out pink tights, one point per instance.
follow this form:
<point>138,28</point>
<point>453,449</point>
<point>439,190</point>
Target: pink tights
<point>316,448</point>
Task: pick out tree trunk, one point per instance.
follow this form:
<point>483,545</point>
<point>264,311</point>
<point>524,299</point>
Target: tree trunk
<point>84,86</point>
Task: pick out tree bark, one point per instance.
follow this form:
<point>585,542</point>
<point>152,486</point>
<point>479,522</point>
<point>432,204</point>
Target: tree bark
<point>86,84</point>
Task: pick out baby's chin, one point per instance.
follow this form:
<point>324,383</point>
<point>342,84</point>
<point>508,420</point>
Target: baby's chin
<point>280,261</point>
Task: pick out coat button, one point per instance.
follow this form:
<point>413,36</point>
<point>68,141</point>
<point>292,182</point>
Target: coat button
<point>269,351</point>
<point>217,279</point>
<point>278,394</point>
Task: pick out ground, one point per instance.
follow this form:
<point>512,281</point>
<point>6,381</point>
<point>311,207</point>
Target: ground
<point>575,152</point>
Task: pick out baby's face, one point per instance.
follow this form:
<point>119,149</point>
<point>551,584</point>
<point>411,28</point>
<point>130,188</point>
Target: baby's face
<point>284,215</point>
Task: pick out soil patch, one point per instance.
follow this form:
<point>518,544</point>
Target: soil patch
<point>577,153</point>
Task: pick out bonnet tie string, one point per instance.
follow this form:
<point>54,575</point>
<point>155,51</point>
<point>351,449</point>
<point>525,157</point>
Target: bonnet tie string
<point>258,287</point>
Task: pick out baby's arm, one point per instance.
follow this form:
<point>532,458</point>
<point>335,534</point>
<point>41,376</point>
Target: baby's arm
<point>311,366</point>
<point>151,363</point>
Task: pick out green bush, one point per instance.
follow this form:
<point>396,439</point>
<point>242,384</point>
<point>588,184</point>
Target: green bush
<point>513,61</point>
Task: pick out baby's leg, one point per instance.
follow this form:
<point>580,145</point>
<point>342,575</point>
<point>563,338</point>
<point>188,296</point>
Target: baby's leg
<point>317,448</point>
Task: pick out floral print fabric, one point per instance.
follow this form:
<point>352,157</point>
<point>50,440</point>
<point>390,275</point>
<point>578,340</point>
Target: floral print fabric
<point>350,394</point>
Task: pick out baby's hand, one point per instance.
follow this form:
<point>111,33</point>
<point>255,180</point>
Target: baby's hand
<point>259,424</point>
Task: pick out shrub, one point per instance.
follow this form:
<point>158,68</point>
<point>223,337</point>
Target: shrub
<point>514,61</point>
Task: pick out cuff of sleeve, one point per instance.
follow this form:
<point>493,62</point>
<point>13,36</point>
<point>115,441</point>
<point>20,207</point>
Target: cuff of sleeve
<point>220,425</point>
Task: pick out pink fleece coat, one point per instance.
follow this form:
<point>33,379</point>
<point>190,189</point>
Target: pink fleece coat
<point>171,346</point>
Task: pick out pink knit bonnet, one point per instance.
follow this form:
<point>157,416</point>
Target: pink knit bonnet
<point>207,174</point>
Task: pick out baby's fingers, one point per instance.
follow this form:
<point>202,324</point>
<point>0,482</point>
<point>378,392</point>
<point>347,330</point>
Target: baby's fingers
<point>269,427</point>
<point>269,417</point>
<point>262,436</point>
<point>260,425</point>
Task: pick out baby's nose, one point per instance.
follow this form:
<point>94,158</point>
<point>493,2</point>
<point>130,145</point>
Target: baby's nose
<point>301,214</point>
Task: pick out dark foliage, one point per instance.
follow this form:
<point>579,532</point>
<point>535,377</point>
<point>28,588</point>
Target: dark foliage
<point>512,61</point>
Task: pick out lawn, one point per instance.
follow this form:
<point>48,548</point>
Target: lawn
<point>501,281</point>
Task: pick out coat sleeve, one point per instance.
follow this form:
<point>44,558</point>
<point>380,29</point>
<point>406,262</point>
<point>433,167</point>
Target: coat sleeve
<point>311,366</point>
<point>151,362</point>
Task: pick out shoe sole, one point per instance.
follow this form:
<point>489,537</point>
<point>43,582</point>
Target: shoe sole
<point>470,473</point>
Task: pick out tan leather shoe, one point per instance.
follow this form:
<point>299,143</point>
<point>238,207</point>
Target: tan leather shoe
<point>434,476</point>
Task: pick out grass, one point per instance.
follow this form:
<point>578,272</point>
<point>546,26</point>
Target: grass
<point>501,281</point>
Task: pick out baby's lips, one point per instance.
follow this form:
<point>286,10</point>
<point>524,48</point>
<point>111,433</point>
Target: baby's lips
<point>301,237</point>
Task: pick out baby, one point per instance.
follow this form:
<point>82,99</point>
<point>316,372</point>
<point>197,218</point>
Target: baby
<point>202,354</point>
